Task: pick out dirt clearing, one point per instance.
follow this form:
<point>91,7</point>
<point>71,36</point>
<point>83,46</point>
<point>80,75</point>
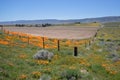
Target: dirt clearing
<point>59,32</point>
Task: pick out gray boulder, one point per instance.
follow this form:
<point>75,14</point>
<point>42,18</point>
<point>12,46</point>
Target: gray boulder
<point>43,54</point>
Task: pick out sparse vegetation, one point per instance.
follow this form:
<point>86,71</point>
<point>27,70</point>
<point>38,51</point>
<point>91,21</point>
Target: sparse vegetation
<point>97,61</point>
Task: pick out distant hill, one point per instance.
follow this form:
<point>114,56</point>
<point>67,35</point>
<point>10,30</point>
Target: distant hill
<point>55,21</point>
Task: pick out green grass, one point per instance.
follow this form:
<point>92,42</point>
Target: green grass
<point>90,64</point>
<point>92,24</point>
<point>112,24</point>
<point>109,33</point>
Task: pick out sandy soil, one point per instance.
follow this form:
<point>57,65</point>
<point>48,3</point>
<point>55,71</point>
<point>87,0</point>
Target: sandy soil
<point>60,32</point>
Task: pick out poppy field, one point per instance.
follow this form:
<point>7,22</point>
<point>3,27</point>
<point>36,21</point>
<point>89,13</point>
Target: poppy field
<point>98,58</point>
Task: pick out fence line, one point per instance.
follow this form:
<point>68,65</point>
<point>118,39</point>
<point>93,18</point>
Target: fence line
<point>41,41</point>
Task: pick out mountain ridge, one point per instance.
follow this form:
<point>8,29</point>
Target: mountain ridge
<point>57,21</point>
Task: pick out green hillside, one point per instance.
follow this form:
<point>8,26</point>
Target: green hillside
<point>99,60</point>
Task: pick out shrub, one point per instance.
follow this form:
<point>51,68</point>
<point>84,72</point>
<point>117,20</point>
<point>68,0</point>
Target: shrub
<point>45,77</point>
<point>43,54</point>
<point>114,57</point>
<point>110,46</point>
<point>70,74</point>
<point>75,74</point>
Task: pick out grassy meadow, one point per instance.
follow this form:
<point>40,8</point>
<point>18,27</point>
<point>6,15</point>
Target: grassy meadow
<point>98,58</point>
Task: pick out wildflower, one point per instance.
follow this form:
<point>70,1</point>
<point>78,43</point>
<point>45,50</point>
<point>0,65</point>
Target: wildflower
<point>36,74</point>
<point>22,77</point>
<point>55,41</point>
<point>22,56</point>
<point>104,65</point>
<point>72,67</point>
<point>113,72</point>
<point>43,62</point>
<point>68,42</point>
<point>4,42</point>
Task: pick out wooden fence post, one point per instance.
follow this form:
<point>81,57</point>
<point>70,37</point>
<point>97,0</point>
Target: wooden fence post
<point>43,43</point>
<point>75,51</point>
<point>58,44</point>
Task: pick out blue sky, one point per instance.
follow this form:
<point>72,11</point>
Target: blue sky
<point>11,10</point>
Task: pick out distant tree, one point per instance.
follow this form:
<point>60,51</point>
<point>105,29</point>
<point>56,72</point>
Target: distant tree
<point>43,25</point>
<point>94,22</point>
<point>16,25</point>
<point>77,22</point>
<point>1,25</point>
<point>46,24</point>
<point>19,25</point>
<point>22,25</point>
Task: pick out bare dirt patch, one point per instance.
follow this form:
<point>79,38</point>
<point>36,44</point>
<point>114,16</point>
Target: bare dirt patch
<point>59,32</point>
